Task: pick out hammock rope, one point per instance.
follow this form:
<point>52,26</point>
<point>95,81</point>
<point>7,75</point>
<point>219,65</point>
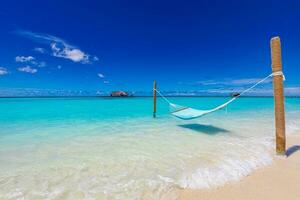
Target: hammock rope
<point>188,113</point>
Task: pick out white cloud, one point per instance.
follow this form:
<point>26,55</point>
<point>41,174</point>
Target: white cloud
<point>99,92</point>
<point>289,91</point>
<point>233,82</point>
<point>27,69</point>
<point>3,71</point>
<point>293,91</point>
<point>76,55</point>
<point>30,59</point>
<point>101,75</point>
<point>59,47</point>
<point>106,82</point>
<point>31,92</point>
<point>40,50</point>
<point>41,64</point>
<point>209,82</point>
<point>24,58</point>
<point>248,81</point>
<point>38,64</point>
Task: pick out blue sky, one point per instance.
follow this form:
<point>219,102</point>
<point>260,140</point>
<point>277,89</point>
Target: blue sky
<point>93,47</point>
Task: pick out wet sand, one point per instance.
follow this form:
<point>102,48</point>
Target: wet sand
<point>280,180</point>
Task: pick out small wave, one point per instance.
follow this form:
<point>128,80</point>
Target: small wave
<point>232,166</point>
<point>230,170</point>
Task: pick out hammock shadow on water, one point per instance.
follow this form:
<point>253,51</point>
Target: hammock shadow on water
<point>202,128</point>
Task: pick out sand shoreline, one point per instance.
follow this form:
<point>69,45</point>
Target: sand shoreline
<point>280,180</point>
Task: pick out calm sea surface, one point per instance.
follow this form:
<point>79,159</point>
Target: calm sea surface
<point>112,148</point>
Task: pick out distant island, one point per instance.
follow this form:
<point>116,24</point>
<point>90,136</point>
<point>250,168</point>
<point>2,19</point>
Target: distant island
<point>120,94</point>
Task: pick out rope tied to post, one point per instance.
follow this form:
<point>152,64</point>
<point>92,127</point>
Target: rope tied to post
<point>186,113</point>
<point>279,73</point>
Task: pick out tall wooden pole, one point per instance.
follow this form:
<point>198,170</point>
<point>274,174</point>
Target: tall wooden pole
<point>278,95</point>
<point>154,99</point>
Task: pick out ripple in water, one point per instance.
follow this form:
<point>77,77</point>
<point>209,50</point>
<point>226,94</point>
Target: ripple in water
<point>132,158</point>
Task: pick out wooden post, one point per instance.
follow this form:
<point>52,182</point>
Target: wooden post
<point>278,96</point>
<point>154,99</point>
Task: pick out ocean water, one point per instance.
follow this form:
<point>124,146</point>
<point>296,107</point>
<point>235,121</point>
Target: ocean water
<point>112,148</point>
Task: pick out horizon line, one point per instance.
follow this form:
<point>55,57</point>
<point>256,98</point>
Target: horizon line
<point>139,96</point>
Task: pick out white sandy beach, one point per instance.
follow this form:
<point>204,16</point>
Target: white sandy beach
<point>279,181</point>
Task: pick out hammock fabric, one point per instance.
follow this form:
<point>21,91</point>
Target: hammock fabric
<point>191,113</point>
<point>187,113</point>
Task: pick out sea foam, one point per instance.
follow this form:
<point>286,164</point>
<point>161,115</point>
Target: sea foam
<point>88,149</point>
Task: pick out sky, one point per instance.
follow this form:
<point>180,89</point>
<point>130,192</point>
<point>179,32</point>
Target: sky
<point>85,47</point>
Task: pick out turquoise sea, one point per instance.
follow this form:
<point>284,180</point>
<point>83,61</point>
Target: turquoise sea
<point>112,148</point>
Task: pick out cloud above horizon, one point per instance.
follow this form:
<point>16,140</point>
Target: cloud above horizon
<point>30,59</point>
<point>3,71</point>
<point>233,82</point>
<point>39,49</point>
<point>27,69</point>
<point>31,92</point>
<point>288,91</point>
<point>24,58</point>
<point>228,86</point>
<point>95,58</point>
<point>58,47</point>
<point>100,75</point>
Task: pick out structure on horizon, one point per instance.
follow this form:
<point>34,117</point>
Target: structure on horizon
<point>119,94</point>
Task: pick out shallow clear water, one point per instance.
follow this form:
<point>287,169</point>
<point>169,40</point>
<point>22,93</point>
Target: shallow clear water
<point>112,148</point>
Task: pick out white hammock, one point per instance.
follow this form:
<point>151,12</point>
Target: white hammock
<point>187,113</point>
